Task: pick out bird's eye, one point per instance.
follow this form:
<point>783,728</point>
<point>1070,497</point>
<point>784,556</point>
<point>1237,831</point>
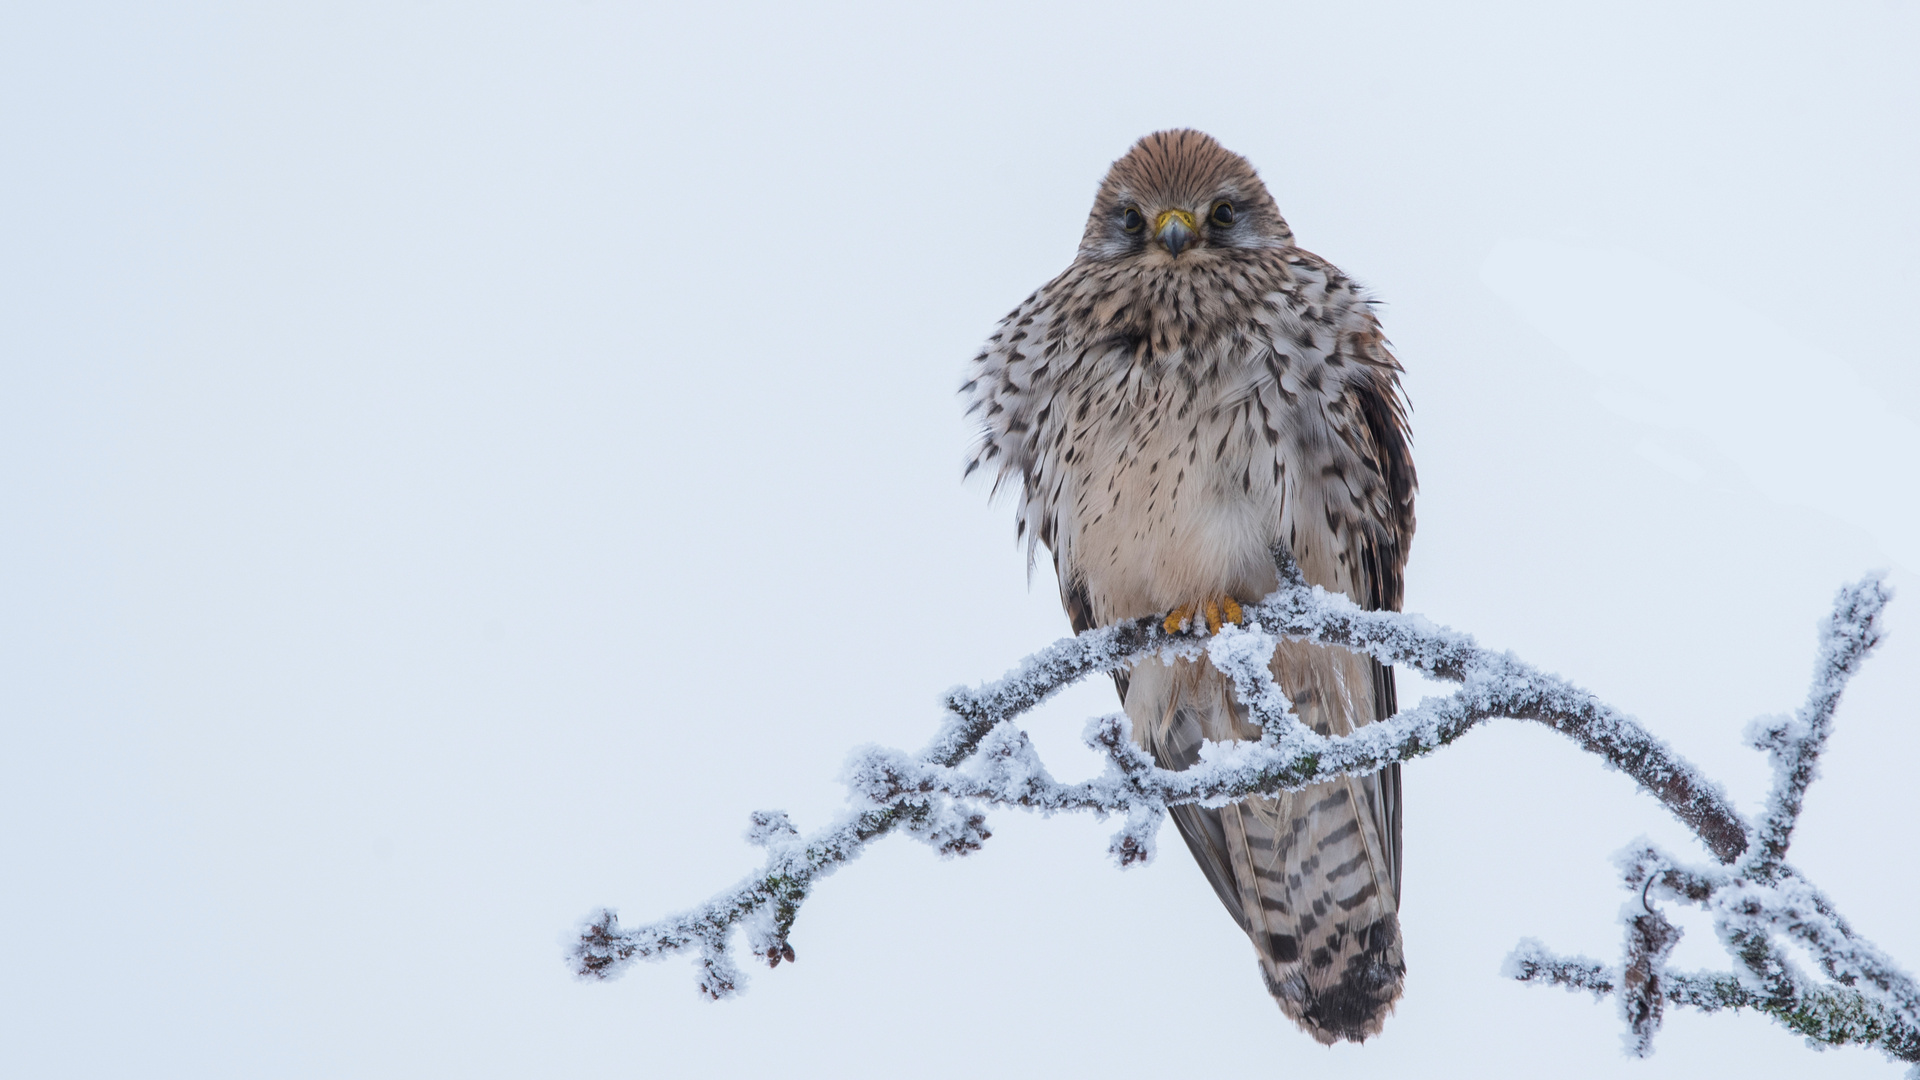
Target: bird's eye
<point>1223,215</point>
<point>1131,220</point>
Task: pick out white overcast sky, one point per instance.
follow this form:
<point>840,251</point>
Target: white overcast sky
<point>457,460</point>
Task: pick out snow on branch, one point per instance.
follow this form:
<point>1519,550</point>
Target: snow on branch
<point>981,758</point>
<point>1759,899</point>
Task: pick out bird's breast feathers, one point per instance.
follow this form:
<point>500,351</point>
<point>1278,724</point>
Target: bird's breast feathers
<point>1167,430</point>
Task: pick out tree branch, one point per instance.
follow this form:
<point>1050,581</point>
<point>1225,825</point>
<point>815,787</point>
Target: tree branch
<point>1848,635</point>
<point>980,757</point>
<point>1869,1000</point>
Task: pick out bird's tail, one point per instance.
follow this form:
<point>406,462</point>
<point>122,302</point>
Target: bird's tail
<point>1312,876</point>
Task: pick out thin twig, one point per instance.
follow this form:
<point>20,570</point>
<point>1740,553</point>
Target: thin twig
<point>1761,897</point>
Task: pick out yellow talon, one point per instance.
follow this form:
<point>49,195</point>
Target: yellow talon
<point>1176,617</point>
<point>1217,611</point>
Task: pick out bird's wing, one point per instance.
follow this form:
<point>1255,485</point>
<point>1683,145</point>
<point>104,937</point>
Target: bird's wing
<point>1384,442</point>
<point>1009,394</point>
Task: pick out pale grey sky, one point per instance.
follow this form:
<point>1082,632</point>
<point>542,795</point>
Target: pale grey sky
<point>458,460</point>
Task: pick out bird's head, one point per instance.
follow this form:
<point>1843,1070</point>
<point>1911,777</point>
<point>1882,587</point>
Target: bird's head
<point>1180,197</point>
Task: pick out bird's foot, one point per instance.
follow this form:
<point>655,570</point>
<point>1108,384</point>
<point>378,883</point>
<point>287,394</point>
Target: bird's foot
<point>1212,613</point>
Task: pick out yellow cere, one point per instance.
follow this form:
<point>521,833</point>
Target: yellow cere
<point>1184,218</point>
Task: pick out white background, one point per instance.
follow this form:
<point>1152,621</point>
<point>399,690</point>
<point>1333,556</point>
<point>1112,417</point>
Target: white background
<point>456,461</point>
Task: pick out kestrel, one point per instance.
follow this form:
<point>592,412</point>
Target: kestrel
<point>1193,389</point>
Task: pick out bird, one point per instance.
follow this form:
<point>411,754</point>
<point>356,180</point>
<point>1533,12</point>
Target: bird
<point>1191,391</point>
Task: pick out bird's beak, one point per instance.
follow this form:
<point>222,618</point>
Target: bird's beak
<point>1175,229</point>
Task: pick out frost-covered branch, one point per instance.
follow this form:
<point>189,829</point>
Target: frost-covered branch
<point>1794,743</point>
<point>1826,1015</point>
<point>1760,900</point>
<point>981,758</point>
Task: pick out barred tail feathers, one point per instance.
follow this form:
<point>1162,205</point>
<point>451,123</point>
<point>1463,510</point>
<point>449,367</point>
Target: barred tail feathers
<point>1311,876</point>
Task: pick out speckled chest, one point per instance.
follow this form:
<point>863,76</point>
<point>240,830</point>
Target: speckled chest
<point>1166,428</point>
<point>1172,482</point>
